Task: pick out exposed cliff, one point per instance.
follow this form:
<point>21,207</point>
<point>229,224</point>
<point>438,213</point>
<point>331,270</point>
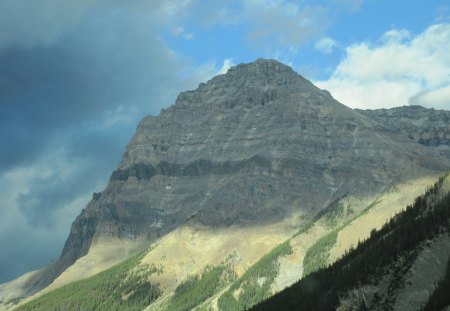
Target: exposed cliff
<point>428,127</point>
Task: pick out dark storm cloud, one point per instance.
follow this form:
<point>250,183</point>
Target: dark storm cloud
<point>26,23</point>
<point>106,61</point>
<point>28,254</point>
<point>89,156</point>
<point>75,78</point>
<point>80,161</point>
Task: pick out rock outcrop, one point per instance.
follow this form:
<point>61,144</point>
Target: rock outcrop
<point>428,127</point>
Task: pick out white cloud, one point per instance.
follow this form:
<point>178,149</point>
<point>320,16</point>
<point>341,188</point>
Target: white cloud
<point>207,71</point>
<point>393,72</point>
<point>180,32</point>
<point>33,235</point>
<point>170,8</point>
<point>326,45</point>
<point>439,98</point>
<point>284,56</point>
<point>227,63</point>
<point>177,31</point>
<point>396,36</point>
<point>188,36</point>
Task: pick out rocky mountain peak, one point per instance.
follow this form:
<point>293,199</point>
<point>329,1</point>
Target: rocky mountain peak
<point>262,68</point>
<point>246,83</point>
<point>261,72</point>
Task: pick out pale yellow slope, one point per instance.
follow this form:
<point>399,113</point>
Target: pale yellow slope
<point>189,249</point>
<point>11,290</point>
<point>103,254</point>
<point>385,207</point>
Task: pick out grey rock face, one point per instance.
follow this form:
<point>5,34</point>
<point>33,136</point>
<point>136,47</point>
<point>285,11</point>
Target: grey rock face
<point>428,127</point>
<point>246,148</point>
<point>403,285</point>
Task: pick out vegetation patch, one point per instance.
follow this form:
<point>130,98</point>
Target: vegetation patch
<point>122,287</point>
<point>317,255</point>
<point>304,228</point>
<point>331,215</point>
<point>254,285</point>
<point>11,302</point>
<point>196,289</point>
<point>204,308</point>
<point>371,205</point>
<point>332,212</point>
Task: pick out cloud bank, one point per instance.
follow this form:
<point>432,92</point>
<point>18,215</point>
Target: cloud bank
<point>75,78</point>
<point>400,69</point>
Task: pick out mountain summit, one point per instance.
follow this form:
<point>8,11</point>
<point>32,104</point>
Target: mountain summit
<point>249,148</point>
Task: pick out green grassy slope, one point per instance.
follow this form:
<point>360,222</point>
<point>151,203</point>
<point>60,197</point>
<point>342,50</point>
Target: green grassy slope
<point>254,285</point>
<point>196,289</point>
<point>122,287</point>
<point>316,257</point>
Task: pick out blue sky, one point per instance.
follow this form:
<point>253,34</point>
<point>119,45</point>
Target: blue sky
<point>77,76</point>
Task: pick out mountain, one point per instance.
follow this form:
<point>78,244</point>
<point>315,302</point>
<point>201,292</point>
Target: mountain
<point>233,169</point>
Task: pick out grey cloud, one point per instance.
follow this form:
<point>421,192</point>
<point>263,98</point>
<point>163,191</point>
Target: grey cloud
<point>272,24</point>
<point>350,5</point>
<point>436,98</point>
<point>107,61</point>
<point>95,152</point>
<point>284,26</point>
<point>27,23</point>
<point>47,194</point>
<point>26,249</point>
<point>37,223</point>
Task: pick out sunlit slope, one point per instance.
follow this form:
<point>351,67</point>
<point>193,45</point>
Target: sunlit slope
<point>399,267</point>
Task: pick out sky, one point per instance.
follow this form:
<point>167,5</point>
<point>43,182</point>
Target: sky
<point>77,76</point>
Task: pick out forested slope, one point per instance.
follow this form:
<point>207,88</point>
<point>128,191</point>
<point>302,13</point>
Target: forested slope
<point>359,279</point>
